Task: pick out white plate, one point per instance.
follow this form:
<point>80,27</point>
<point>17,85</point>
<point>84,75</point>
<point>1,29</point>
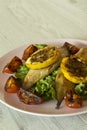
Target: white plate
<point>44,109</point>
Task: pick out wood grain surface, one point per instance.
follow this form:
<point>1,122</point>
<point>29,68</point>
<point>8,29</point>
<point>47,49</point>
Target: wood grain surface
<point>24,21</point>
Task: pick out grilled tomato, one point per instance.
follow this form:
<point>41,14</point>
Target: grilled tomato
<point>72,100</point>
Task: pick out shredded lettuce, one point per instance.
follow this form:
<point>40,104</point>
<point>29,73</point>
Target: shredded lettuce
<point>81,90</point>
<point>46,87</point>
<point>21,72</point>
<point>40,46</point>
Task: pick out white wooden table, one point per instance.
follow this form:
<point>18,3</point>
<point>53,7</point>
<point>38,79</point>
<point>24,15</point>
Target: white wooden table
<point>22,21</point>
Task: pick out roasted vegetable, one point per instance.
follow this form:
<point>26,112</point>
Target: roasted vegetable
<point>81,90</point>
<point>72,100</point>
<point>29,97</point>
<point>43,58</point>
<point>13,65</point>
<point>62,85</point>
<point>29,51</point>
<point>12,85</point>
<point>71,48</point>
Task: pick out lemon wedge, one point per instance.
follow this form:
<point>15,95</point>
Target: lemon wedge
<point>43,58</point>
<point>74,70</point>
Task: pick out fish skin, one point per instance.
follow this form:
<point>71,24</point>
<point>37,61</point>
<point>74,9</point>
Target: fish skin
<point>62,85</point>
<point>35,75</point>
<point>82,55</point>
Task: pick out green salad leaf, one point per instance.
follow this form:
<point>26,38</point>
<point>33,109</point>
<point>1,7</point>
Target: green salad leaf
<point>81,90</point>
<point>21,72</point>
<point>40,46</point>
<point>46,87</point>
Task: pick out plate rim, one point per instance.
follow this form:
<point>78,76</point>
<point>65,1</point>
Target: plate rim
<point>43,114</point>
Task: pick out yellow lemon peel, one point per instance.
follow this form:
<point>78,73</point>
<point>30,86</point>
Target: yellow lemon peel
<point>69,75</point>
<point>43,58</point>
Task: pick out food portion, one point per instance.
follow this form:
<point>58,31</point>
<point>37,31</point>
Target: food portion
<point>73,100</point>
<point>81,90</point>
<point>29,51</point>
<point>12,85</point>
<point>62,86</point>
<point>82,55</point>
<point>48,72</point>
<point>28,97</point>
<point>13,65</point>
<point>43,58</point>
<point>35,75</point>
<point>74,70</point>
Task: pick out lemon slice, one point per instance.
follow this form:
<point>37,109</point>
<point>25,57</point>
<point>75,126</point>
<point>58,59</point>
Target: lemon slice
<point>74,70</point>
<point>43,57</point>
